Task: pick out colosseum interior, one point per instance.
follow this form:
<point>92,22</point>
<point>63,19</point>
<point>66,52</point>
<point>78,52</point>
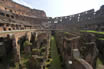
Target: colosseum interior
<point>29,39</point>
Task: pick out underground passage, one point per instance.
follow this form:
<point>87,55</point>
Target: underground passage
<point>30,39</point>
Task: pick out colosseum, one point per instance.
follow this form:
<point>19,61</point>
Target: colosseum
<point>29,39</point>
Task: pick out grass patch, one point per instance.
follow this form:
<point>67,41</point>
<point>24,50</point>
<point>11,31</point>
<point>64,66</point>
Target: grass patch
<point>99,61</point>
<point>100,38</point>
<point>92,31</point>
<point>66,32</point>
<point>56,63</point>
<point>27,43</point>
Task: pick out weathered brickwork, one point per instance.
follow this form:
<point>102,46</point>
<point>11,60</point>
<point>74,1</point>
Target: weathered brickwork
<point>25,36</point>
<point>89,20</point>
<point>14,16</point>
<point>9,5</point>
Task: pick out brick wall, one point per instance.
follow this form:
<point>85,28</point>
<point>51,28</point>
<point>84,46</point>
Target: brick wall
<point>13,7</point>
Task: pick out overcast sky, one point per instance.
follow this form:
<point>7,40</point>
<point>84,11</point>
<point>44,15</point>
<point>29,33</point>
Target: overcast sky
<point>54,8</point>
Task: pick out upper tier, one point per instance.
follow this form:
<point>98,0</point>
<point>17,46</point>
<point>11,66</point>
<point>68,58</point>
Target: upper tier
<point>9,5</point>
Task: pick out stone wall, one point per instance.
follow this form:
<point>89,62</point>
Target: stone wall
<point>88,48</point>
<point>68,46</point>
<point>81,64</point>
<point>85,20</point>
<point>9,5</point>
<point>11,20</point>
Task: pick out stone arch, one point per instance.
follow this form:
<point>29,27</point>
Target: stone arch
<point>21,41</point>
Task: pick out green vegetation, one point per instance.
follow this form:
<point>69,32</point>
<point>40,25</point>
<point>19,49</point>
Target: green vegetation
<point>99,64</point>
<point>56,63</point>
<point>66,32</point>
<point>95,32</point>
<point>100,38</point>
<point>92,31</point>
<point>24,58</point>
<point>99,61</point>
<point>27,43</point>
<point>39,50</point>
<point>24,61</point>
<point>48,61</point>
<point>42,49</point>
<point>36,50</point>
<point>16,66</point>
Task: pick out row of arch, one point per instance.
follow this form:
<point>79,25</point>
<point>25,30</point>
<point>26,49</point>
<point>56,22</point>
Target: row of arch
<point>76,18</point>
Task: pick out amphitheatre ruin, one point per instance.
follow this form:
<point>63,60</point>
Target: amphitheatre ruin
<point>31,40</point>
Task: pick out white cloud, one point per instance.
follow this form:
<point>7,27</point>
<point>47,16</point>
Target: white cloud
<point>23,3</point>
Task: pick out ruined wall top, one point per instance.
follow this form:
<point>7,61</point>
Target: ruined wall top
<point>9,5</point>
<point>80,17</point>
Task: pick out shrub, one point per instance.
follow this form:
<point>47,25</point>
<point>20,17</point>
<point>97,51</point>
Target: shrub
<point>27,43</point>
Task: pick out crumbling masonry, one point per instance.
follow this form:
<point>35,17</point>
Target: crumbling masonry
<point>25,36</point>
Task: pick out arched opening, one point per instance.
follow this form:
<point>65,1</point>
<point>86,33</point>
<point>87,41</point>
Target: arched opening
<point>9,29</point>
<point>12,16</point>
<point>13,28</point>
<point>5,8</point>
<point>4,28</point>
<point>2,14</point>
<point>11,11</point>
<point>7,15</point>
<point>21,42</point>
